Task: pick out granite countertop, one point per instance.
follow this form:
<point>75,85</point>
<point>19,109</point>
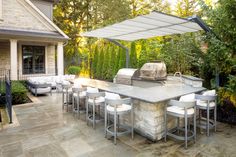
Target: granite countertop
<point>152,94</point>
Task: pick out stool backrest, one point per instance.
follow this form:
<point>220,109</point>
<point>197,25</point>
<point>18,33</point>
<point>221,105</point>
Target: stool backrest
<point>117,102</point>
<point>182,104</point>
<point>77,90</point>
<point>205,97</point>
<point>95,95</point>
<point>66,86</point>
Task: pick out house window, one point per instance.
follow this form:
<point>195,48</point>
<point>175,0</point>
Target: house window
<point>33,59</point>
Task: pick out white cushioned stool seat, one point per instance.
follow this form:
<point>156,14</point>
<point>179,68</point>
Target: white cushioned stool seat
<point>97,100</point>
<point>204,103</point>
<point>178,110</point>
<point>81,94</point>
<point>69,90</point>
<point>120,108</point>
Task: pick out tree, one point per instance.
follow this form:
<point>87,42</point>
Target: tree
<point>186,8</point>
<point>133,56</point>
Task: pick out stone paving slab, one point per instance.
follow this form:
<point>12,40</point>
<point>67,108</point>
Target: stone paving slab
<point>51,132</point>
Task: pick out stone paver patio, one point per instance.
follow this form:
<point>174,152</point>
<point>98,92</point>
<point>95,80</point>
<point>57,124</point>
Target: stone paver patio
<point>43,129</point>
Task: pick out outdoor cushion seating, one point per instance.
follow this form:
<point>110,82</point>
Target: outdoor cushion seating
<point>120,107</point>
<point>79,93</point>
<point>41,90</point>
<point>39,85</point>
<point>94,99</point>
<point>203,103</point>
<point>181,109</point>
<point>116,106</point>
<point>207,102</point>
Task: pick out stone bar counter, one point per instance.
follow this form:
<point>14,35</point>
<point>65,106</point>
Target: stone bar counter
<point>149,100</point>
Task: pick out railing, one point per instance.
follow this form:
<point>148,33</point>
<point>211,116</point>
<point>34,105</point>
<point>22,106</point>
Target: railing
<point>8,97</point>
<point>3,73</point>
<point>48,72</point>
<point>5,91</point>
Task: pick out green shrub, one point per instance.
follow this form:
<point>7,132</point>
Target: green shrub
<point>75,70</point>
<point>19,93</point>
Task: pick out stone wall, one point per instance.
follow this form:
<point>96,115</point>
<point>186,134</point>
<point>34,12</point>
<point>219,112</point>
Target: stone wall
<point>4,55</point>
<point>149,119</point>
<point>17,14</point>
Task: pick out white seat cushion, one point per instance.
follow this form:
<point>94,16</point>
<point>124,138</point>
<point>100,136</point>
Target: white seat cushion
<point>204,103</point>
<point>81,94</point>
<point>97,100</point>
<point>187,98</point>
<point>120,108</point>
<point>178,110</point>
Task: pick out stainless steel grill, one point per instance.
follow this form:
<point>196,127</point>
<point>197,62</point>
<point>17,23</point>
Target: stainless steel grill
<point>149,72</point>
<point>153,71</point>
<point>124,76</point>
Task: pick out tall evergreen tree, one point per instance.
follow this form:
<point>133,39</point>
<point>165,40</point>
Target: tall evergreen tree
<point>133,56</point>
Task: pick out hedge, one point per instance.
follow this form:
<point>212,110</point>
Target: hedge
<point>19,93</point>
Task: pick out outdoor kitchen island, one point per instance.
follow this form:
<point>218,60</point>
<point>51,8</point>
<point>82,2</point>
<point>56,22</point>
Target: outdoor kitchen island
<point>148,102</point>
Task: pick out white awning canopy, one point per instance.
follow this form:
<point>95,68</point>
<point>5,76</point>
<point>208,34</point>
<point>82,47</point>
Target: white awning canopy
<point>145,26</point>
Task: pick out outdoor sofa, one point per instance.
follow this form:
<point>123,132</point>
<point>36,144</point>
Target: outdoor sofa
<point>45,84</point>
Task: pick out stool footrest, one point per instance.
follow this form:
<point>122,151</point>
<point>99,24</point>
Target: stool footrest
<point>126,130</point>
<point>203,123</point>
<point>97,118</point>
<point>171,134</point>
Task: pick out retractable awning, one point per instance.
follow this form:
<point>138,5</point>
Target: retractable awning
<point>146,26</point>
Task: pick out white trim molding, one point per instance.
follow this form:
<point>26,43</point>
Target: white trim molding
<point>1,9</point>
<point>47,19</point>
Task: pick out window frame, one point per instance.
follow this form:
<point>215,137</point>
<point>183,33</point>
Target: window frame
<point>24,72</point>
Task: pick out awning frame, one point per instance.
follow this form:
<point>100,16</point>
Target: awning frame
<point>194,19</point>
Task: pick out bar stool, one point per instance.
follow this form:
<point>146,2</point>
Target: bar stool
<point>184,110</point>
<point>78,94</point>
<point>94,99</point>
<point>206,102</point>
<point>66,91</point>
<point>116,108</point>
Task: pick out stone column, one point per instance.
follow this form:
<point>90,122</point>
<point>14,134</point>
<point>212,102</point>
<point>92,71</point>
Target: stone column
<point>13,59</point>
<point>60,59</point>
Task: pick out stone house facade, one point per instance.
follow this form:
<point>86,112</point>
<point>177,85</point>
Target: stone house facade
<point>30,43</point>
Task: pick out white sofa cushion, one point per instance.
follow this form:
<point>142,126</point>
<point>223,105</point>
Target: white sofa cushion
<point>41,90</point>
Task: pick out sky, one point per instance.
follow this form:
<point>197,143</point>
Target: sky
<point>172,2</point>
